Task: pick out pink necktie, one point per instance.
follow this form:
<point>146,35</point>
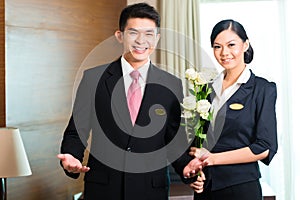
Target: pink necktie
<point>134,96</point>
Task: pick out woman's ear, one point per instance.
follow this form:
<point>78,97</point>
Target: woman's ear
<point>119,36</point>
<point>246,45</point>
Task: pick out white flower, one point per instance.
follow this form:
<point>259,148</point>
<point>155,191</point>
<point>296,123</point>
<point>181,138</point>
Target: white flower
<point>196,108</point>
<point>191,74</point>
<point>189,103</point>
<point>209,73</point>
<point>204,115</point>
<point>187,114</point>
<point>201,79</point>
<point>203,107</point>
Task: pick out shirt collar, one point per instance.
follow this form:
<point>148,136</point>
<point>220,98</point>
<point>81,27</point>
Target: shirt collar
<point>244,77</point>
<point>217,84</point>
<point>127,68</point>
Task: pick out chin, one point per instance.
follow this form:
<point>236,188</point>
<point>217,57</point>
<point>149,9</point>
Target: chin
<point>141,57</point>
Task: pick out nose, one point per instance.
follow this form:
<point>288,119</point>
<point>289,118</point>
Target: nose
<point>140,39</point>
<point>224,51</point>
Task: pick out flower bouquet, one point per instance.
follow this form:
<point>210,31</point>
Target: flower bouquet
<point>196,107</point>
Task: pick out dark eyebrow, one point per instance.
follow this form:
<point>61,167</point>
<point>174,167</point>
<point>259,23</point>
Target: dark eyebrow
<point>133,29</point>
<point>147,30</point>
<point>150,30</point>
<point>215,43</point>
<point>230,41</point>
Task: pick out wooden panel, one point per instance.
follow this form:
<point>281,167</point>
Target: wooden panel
<point>153,3</point>
<point>2,65</point>
<point>46,42</point>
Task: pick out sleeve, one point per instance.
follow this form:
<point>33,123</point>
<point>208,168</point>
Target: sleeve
<point>77,132</point>
<point>184,158</point>
<point>266,123</point>
<point>176,130</point>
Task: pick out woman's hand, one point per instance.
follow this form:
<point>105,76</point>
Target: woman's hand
<point>202,154</point>
<point>197,186</point>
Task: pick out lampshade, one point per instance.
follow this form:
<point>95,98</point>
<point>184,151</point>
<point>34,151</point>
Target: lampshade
<point>13,158</point>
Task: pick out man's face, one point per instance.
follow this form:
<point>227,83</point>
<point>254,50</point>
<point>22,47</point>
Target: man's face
<point>139,40</point>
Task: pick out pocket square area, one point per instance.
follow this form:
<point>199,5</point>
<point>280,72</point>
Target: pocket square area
<point>236,106</point>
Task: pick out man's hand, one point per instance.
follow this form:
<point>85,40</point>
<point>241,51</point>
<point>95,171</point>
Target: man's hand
<point>197,186</point>
<point>194,166</point>
<point>71,164</point>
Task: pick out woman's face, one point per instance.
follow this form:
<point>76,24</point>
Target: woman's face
<point>229,50</point>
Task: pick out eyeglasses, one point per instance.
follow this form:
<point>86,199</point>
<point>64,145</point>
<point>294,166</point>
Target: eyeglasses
<point>148,35</point>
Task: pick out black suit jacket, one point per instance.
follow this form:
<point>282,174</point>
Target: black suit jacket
<point>127,162</point>
<point>253,125</point>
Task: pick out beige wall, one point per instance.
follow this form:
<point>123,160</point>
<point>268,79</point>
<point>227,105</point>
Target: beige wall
<point>46,42</point>
<point>153,3</point>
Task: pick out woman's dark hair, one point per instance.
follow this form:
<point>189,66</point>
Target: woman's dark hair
<point>139,10</point>
<point>236,27</point>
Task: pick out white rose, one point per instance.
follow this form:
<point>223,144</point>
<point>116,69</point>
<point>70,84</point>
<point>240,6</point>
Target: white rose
<point>189,103</point>
<point>204,115</point>
<point>191,74</point>
<point>187,114</point>
<point>210,73</point>
<point>201,79</point>
<point>203,107</point>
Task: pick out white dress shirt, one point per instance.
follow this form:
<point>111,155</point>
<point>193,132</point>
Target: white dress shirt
<point>222,97</point>
<point>127,69</point>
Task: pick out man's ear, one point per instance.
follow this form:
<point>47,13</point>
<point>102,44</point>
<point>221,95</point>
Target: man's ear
<point>157,39</point>
<point>246,45</point>
<point>119,36</point>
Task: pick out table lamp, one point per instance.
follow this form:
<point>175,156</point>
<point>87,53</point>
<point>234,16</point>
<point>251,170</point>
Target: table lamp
<point>13,158</point>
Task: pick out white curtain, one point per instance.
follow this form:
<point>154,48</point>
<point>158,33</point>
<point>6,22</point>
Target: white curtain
<point>179,45</point>
<point>291,110</point>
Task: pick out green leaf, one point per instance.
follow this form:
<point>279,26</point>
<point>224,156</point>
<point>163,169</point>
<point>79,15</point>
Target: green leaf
<point>192,92</point>
<point>197,126</point>
<point>203,136</point>
<point>183,124</point>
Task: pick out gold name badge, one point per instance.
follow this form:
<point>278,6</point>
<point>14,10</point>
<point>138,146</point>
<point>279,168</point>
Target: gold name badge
<point>160,111</point>
<point>236,106</point>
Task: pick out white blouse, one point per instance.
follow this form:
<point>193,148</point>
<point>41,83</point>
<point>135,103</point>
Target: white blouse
<point>221,98</point>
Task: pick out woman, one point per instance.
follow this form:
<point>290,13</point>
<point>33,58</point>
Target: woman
<point>243,130</point>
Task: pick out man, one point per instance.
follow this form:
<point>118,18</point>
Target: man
<point>133,110</point>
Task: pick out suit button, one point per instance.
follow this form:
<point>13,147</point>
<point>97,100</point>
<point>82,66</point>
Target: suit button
<point>128,149</point>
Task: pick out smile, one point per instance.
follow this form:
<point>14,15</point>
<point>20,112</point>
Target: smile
<point>226,60</point>
<point>140,49</point>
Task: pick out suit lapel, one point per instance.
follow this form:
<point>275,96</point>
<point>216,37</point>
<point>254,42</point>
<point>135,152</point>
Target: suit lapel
<point>152,77</point>
<point>228,112</point>
<point>239,96</point>
<point>114,83</point>
<point>243,92</point>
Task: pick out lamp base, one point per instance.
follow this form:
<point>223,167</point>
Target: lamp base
<point>3,194</point>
